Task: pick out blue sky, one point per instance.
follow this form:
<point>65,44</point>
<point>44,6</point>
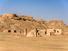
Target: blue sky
<point>45,9</point>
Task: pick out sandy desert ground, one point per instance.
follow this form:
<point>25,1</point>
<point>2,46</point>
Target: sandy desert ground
<point>54,43</point>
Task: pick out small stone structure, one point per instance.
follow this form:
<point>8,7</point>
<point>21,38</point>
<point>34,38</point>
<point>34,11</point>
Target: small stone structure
<point>54,32</point>
<point>58,31</point>
<point>49,32</point>
<point>42,32</point>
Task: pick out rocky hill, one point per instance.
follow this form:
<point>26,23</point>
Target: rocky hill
<point>19,23</point>
<point>12,21</point>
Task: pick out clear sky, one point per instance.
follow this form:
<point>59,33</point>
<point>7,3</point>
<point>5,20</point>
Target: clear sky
<point>45,9</point>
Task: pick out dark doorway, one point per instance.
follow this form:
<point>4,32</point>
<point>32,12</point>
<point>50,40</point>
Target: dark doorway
<point>45,32</point>
<point>9,31</point>
<point>15,31</point>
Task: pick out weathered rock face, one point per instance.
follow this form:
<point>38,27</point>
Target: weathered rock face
<point>12,21</point>
<point>55,24</point>
<point>9,15</point>
<point>29,18</point>
<point>65,30</point>
<point>20,23</point>
<point>32,33</point>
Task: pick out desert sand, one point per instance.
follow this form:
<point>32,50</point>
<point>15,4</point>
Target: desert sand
<point>52,43</point>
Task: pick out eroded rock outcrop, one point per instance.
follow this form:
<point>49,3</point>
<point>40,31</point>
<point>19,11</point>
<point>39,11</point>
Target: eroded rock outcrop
<point>17,24</point>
